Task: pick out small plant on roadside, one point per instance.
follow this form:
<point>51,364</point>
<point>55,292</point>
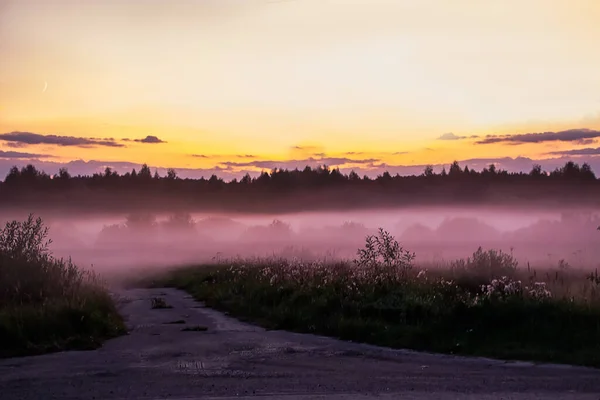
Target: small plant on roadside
<point>159,303</point>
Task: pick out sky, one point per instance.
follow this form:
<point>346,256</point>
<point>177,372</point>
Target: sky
<point>231,86</point>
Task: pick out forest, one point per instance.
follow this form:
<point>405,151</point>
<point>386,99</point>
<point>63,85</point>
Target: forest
<point>282,190</point>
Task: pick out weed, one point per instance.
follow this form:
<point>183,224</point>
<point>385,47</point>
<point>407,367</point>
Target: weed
<point>159,303</point>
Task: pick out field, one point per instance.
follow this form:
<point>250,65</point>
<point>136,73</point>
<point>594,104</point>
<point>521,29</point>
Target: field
<point>485,305</point>
<point>48,304</point>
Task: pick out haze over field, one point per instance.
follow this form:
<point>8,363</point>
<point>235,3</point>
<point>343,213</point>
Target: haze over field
<point>107,108</point>
<point>124,243</point>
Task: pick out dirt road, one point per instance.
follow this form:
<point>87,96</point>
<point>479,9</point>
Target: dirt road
<point>158,360</point>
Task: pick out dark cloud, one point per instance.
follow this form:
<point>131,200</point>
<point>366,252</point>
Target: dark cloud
<point>29,138</point>
<point>571,135</point>
<point>584,142</point>
<point>398,153</point>
<point>199,156</point>
<point>16,145</point>
<point>17,154</point>
<point>150,139</point>
<point>589,151</point>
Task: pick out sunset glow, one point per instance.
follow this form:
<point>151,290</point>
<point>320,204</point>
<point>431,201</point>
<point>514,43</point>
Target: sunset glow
<point>227,85</point>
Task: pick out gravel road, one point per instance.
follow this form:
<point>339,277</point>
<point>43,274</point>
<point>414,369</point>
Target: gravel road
<point>158,360</point>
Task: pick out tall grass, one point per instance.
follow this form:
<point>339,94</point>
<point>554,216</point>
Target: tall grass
<point>485,305</point>
<point>48,304</point>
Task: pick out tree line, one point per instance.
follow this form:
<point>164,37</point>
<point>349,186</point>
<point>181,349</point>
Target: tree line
<point>281,189</point>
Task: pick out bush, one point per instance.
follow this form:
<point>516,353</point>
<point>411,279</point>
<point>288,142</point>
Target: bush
<point>46,303</point>
<point>383,252</point>
<point>482,267</point>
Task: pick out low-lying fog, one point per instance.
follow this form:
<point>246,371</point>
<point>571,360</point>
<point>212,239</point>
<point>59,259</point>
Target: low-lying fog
<point>142,240</point>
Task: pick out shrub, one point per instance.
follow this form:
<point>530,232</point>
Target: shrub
<point>48,304</point>
<point>25,240</point>
<point>383,252</point>
<point>482,267</point>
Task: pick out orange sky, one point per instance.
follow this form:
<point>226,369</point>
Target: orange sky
<point>231,78</point>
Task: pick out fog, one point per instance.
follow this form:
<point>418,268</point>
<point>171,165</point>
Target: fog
<point>126,243</point>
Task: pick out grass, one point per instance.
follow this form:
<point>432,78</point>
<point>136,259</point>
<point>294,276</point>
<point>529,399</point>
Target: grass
<point>158,303</point>
<point>484,306</point>
<point>48,304</point>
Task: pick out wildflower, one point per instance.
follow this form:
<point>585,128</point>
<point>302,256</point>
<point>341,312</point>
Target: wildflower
<point>539,291</point>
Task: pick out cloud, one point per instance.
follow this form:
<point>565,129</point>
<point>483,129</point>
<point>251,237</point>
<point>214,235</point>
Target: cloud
<point>584,142</point>
<point>589,151</point>
<point>150,139</point>
<point>307,150</point>
<point>450,136</point>
<point>291,164</point>
<point>570,135</point>
<point>17,154</point>
<point>29,138</point>
<point>16,145</point>
<point>223,156</point>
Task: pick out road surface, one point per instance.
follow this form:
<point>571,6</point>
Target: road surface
<point>234,360</point>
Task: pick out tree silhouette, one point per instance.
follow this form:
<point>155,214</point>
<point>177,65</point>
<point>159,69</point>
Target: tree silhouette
<point>282,189</point>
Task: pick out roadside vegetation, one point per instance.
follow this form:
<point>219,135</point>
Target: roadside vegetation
<point>486,305</point>
<point>48,304</point>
